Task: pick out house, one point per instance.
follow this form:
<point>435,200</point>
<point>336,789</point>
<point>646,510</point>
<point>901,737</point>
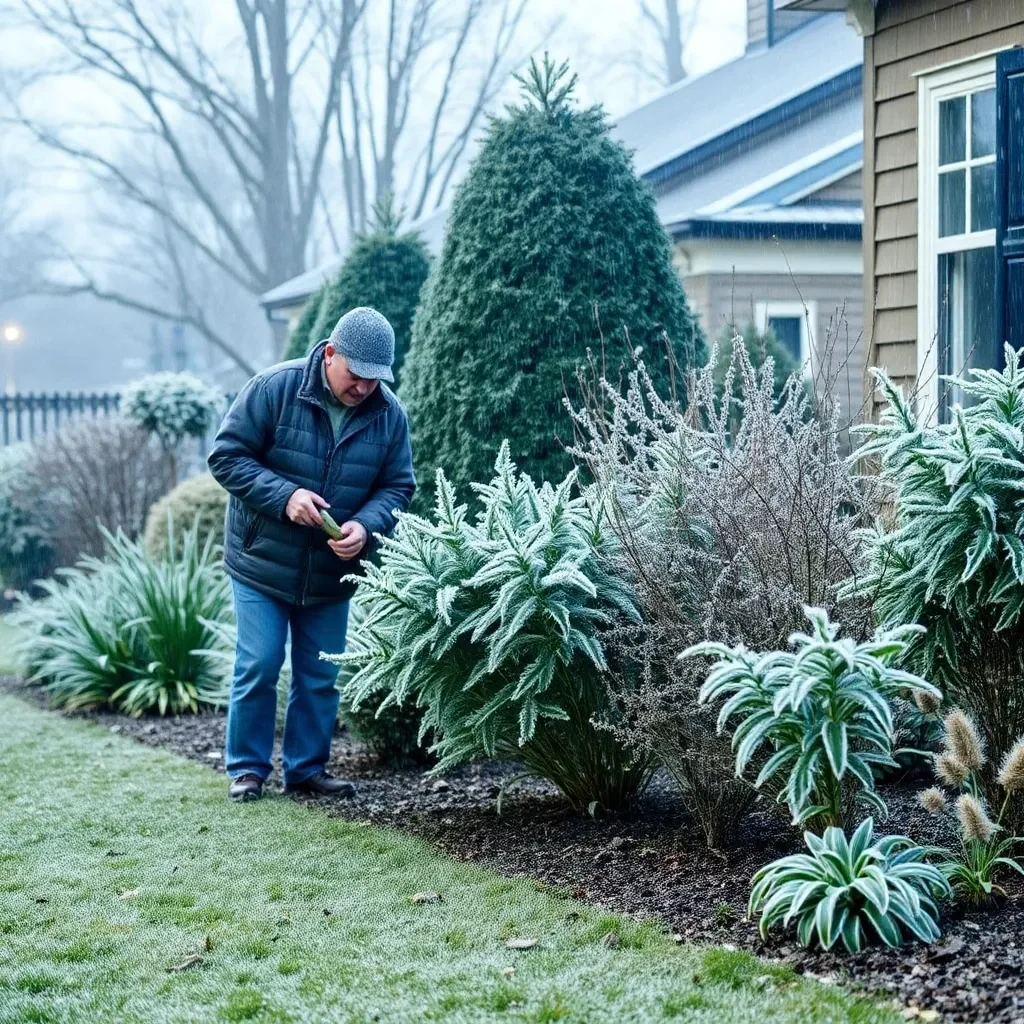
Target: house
<point>756,167</point>
<point>943,184</point>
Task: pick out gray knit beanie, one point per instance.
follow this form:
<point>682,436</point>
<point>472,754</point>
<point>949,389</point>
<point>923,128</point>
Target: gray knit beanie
<point>366,339</point>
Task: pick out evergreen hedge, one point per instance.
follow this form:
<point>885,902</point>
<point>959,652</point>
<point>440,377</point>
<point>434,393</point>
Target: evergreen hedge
<point>298,341</point>
<point>553,246</point>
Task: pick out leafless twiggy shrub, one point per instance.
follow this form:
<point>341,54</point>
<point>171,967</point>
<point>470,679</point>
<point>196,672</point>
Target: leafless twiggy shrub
<point>732,514</point>
<point>89,474</point>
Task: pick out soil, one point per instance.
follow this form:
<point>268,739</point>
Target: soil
<point>650,863</point>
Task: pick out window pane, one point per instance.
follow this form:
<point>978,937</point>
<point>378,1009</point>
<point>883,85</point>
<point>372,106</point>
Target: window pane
<point>983,123</point>
<point>967,329</point>
<point>952,200</point>
<point>787,333</point>
<point>953,130</point>
<point>983,197</point>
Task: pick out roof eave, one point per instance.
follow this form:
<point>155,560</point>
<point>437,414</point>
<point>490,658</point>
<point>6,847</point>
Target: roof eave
<point>766,230</point>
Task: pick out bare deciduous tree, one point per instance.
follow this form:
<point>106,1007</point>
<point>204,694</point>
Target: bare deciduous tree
<point>176,100</point>
<point>395,136</point>
<point>672,28</point>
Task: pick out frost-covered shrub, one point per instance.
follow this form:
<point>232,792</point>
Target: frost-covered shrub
<point>391,734</point>
<point>201,500</point>
<point>89,476</point>
<point>493,626</point>
<point>172,407</point>
<point>817,721</point>
<point>26,549</point>
<point>952,557</point>
<point>730,517</point>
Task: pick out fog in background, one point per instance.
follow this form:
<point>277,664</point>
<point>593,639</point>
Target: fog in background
<point>165,163</point>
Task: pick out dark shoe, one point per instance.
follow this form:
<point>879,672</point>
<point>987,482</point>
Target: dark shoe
<point>322,784</point>
<point>246,787</point>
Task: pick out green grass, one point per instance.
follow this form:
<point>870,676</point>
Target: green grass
<point>7,659</point>
<point>118,862</point>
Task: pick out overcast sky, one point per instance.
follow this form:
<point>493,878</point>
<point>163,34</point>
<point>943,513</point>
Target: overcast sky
<point>605,41</point>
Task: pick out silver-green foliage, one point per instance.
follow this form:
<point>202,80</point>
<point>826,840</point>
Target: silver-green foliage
<point>822,711</point>
<point>953,560</point>
<point>172,406</point>
<point>391,734</point>
<point>129,631</point>
<point>851,889</point>
<point>492,625</point>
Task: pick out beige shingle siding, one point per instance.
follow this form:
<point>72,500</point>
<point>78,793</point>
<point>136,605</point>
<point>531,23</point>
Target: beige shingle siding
<point>910,36</point>
<point>723,298</point>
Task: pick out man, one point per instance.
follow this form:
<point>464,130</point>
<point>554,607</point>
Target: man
<point>303,436</point>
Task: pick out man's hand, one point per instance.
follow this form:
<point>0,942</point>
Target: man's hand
<point>352,541</point>
<point>304,507</point>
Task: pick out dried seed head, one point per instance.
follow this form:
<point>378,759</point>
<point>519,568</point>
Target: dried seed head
<point>927,703</point>
<point>950,771</point>
<point>1011,774</point>
<point>973,819</point>
<point>932,800</point>
<point>963,741</point>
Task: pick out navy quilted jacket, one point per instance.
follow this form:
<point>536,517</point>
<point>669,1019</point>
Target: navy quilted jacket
<point>277,437</point>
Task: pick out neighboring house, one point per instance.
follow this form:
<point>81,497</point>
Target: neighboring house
<point>944,184</point>
<point>756,167</point>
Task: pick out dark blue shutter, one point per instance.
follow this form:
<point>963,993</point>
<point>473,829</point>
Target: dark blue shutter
<point>1010,197</point>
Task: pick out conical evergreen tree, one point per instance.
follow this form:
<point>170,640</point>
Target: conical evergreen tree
<point>384,269</point>
<point>553,246</point>
<point>298,340</point>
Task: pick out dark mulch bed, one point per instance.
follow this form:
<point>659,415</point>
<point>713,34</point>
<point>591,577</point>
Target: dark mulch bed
<point>650,863</point>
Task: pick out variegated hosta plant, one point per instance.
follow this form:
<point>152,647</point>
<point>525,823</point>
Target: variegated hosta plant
<point>492,624</point>
<point>952,559</point>
<point>852,890</point>
<point>820,714</point>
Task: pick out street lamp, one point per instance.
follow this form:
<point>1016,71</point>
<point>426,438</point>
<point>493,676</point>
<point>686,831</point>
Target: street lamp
<point>12,334</point>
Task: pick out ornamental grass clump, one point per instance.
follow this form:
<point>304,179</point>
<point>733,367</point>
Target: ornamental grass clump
<point>730,516</point>
<point>817,720</point>
<point>852,890</point>
<point>952,557</point>
<point>986,848</point>
<point>130,632</point>
<point>492,625</point>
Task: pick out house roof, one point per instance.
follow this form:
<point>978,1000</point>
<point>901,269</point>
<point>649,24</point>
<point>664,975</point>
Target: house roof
<point>708,114</point>
<point>759,134</point>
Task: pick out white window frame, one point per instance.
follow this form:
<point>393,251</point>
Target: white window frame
<point>805,312</point>
<point>933,87</point>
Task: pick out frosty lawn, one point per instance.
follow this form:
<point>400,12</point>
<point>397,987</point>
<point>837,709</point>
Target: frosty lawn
<point>131,890</point>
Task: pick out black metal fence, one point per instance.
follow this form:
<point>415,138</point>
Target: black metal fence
<point>24,417</point>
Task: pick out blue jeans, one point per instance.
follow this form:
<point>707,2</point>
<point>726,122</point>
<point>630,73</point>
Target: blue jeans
<point>263,624</point>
